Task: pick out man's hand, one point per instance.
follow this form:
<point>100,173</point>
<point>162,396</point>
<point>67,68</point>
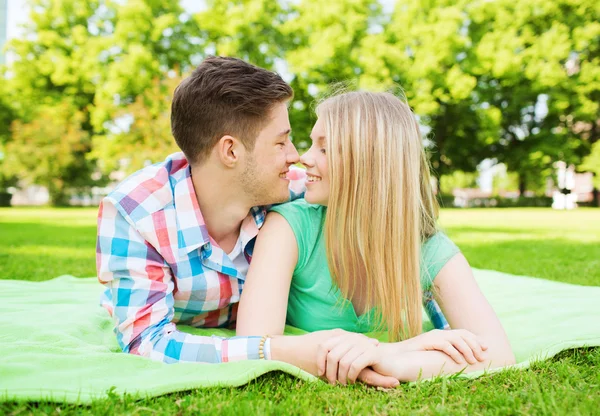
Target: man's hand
<point>305,351</point>
<point>459,344</point>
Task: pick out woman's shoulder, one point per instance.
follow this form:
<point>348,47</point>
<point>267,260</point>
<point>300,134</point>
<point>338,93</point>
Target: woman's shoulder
<point>436,251</point>
<point>300,209</point>
<point>439,239</point>
<point>306,221</point>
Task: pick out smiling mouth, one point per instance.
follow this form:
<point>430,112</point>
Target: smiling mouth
<point>283,175</point>
<point>311,178</point>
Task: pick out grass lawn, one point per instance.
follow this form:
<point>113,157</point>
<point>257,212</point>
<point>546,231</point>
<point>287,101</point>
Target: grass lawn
<point>38,244</point>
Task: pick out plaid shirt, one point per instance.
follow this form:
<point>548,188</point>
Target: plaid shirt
<point>161,267</point>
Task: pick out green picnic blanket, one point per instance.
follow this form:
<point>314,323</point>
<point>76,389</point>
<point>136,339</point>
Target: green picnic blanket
<point>57,344</point>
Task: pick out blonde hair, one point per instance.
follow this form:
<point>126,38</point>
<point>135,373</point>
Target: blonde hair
<point>381,205</point>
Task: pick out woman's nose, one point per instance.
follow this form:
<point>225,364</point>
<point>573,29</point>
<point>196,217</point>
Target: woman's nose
<point>306,159</point>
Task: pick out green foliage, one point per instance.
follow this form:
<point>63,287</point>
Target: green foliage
<point>532,55</point>
<point>592,164</point>
<point>147,136</point>
<point>92,59</point>
<point>457,179</point>
<point>327,41</point>
<point>427,49</point>
<point>51,150</point>
<point>247,29</point>
<point>515,81</point>
<point>504,182</point>
<point>144,41</point>
<point>7,116</point>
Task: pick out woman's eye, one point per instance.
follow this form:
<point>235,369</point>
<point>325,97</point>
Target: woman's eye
<point>323,151</point>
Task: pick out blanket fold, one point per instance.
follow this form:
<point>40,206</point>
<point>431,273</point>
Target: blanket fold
<point>57,344</point>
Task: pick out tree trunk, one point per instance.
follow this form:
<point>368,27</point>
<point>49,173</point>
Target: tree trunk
<point>59,197</point>
<point>522,184</point>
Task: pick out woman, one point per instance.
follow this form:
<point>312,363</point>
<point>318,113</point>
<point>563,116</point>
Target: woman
<point>351,254</point>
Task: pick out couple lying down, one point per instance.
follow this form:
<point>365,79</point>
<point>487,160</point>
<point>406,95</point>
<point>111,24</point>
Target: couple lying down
<point>361,252</point>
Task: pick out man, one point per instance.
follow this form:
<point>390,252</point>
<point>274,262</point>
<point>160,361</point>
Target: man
<point>175,239</point>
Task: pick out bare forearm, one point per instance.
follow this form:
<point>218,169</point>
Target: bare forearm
<point>414,365</point>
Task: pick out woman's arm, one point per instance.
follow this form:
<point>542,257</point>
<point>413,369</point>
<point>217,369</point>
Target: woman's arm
<point>465,307</point>
<point>263,304</point>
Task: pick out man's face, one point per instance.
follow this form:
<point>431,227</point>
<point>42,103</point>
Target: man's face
<point>265,168</point>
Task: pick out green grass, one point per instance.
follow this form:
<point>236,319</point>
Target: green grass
<point>38,244</point>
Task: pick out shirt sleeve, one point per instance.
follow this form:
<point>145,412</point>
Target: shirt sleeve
<point>435,253</point>
<point>139,297</point>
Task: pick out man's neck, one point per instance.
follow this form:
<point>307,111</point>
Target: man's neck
<point>222,204</point>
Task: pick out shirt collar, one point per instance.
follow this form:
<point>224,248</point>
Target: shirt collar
<point>191,228</point>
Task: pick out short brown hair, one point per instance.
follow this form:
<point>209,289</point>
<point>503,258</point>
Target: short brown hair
<point>223,96</point>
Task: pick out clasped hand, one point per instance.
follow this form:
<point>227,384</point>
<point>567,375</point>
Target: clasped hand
<point>346,357</point>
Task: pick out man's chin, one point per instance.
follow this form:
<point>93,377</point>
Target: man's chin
<point>275,199</point>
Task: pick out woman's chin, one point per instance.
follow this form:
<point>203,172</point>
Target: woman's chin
<point>314,199</point>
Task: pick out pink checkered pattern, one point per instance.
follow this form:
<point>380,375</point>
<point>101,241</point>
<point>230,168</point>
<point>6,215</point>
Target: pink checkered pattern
<point>160,267</point>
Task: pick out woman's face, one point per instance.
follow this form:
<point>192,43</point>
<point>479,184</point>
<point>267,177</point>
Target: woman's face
<point>315,161</point>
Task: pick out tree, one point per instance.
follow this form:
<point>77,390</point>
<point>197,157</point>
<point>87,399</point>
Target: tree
<point>98,55</point>
<point>426,49</point>
<point>514,81</point>
<point>538,64</point>
<point>147,39</point>
<point>50,151</point>
<point>325,48</point>
<point>457,179</point>
<point>7,115</point>
<point>145,133</point>
<point>592,164</point>
<point>54,79</point>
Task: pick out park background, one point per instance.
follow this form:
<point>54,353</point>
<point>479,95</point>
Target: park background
<point>498,86</point>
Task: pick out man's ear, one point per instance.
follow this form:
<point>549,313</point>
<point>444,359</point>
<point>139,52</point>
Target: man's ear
<point>229,150</point>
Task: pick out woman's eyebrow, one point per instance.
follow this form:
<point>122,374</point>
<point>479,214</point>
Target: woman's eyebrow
<point>319,138</point>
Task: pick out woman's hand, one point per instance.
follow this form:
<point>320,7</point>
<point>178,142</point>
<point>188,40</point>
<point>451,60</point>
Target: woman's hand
<point>459,344</point>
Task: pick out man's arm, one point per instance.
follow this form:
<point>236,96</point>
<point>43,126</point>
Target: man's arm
<point>141,286</point>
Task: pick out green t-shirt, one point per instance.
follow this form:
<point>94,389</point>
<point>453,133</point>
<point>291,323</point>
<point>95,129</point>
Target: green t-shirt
<point>315,303</point>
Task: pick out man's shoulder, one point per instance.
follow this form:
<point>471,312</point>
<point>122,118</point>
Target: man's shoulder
<point>150,189</point>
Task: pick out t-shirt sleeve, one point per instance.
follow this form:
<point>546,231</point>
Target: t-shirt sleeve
<point>435,253</point>
<point>306,222</point>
